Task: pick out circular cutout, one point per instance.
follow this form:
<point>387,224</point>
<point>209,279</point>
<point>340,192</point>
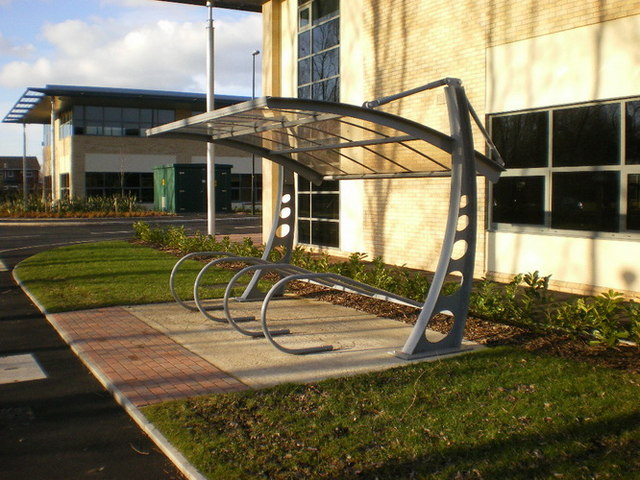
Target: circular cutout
<point>459,249</point>
<point>463,222</point>
<point>283,231</point>
<point>285,212</point>
<point>464,200</point>
<point>286,198</point>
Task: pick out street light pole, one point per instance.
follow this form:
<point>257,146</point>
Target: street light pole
<point>211,167</point>
<point>253,157</point>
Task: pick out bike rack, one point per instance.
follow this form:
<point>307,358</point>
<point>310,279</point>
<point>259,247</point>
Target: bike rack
<point>332,141</point>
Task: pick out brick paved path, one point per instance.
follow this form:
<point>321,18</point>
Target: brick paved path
<point>136,361</point>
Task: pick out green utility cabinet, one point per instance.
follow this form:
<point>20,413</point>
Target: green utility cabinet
<point>182,188</point>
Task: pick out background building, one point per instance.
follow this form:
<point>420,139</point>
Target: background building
<point>11,175</point>
<point>100,146</point>
<point>559,86</point>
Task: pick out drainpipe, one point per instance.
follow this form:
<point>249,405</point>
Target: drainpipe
<point>211,166</point>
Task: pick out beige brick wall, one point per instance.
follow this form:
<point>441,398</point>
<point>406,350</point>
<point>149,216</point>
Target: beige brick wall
<point>425,41</point>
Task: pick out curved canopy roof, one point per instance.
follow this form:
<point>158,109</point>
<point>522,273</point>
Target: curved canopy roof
<point>328,141</point>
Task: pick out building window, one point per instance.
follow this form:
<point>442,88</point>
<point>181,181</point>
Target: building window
<point>570,168</point>
<point>319,79</point>
<point>106,184</point>
<point>64,186</point>
<point>319,50</point>
<point>241,187</point>
<point>113,121</point>
<point>319,213</point>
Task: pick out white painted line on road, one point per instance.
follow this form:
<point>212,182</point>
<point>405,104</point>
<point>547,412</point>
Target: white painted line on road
<point>3,266</point>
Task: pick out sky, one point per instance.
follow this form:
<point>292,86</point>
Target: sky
<point>146,44</point>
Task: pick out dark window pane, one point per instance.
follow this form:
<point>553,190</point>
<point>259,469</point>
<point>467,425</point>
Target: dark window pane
<point>112,180</point>
<point>78,113</point>
<point>586,136</point>
<point>93,113</point>
<point>585,201</point>
<point>633,202</point>
<point>303,18</point>
<point>633,133</point>
<point>164,116</point>
<point>94,179</point>
<point>519,200</point>
<point>304,205</point>
<point>146,180</point>
<point>94,192</point>
<point>304,71</point>
<point>131,115</point>
<point>328,90</point>
<point>522,140</point>
<point>131,179</point>
<point>326,186</point>
<point>324,10</point>
<point>304,92</point>
<point>146,195</point>
<point>112,115</point>
<point>326,35</point>
<point>304,44</point>
<point>325,234</point>
<point>304,231</point>
<point>146,115</point>
<point>326,205</point>
<point>304,185</point>
<point>326,64</point>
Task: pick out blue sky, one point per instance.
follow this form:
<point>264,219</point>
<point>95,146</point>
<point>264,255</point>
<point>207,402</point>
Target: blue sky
<point>116,43</point>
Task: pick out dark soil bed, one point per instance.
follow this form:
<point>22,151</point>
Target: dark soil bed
<point>622,357</point>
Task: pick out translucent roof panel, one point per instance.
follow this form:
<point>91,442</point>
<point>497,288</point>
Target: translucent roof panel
<point>325,140</point>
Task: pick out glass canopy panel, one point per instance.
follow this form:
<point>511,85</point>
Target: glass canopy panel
<point>329,138</point>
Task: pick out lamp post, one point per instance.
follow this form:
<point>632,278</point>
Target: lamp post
<point>211,166</point>
<point>253,157</point>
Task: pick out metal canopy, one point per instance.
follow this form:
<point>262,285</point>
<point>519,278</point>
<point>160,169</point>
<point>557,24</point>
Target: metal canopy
<point>328,141</point>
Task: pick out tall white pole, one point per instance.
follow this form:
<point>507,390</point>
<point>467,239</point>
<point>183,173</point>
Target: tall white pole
<point>25,187</point>
<point>211,166</point>
<point>253,157</point>
<point>52,156</point>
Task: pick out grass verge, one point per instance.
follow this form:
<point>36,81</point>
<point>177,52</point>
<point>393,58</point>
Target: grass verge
<point>500,413</point>
<point>92,275</point>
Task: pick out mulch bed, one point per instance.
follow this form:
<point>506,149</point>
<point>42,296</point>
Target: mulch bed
<point>622,357</point>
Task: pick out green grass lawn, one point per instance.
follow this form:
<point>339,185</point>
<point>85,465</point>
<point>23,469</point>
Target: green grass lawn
<point>500,413</point>
<point>91,275</point>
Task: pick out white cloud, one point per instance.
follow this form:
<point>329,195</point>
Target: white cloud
<point>161,54</point>
<point>9,49</point>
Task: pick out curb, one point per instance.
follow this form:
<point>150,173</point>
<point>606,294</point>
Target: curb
<point>188,470</point>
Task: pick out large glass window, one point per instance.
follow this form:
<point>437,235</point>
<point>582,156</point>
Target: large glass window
<point>104,184</point>
<point>318,213</point>
<point>241,187</point>
<point>115,121</point>
<point>570,168</point>
<point>319,50</point>
<point>319,79</point>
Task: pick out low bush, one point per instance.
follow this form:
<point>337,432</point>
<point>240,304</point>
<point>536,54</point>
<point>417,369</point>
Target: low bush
<point>102,206</point>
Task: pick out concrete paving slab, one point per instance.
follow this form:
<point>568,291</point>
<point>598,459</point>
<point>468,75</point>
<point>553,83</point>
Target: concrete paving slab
<point>362,342</point>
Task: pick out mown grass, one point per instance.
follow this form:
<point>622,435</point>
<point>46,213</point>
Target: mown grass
<point>103,274</point>
<point>501,413</point>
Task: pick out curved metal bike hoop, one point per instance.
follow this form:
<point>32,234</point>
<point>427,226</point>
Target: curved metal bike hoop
<point>176,267</point>
<point>196,285</point>
<point>227,295</point>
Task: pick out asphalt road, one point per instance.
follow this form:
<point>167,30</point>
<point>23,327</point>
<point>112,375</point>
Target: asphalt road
<point>67,426</point>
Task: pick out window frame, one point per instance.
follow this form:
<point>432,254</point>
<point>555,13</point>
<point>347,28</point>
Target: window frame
<point>624,169</point>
